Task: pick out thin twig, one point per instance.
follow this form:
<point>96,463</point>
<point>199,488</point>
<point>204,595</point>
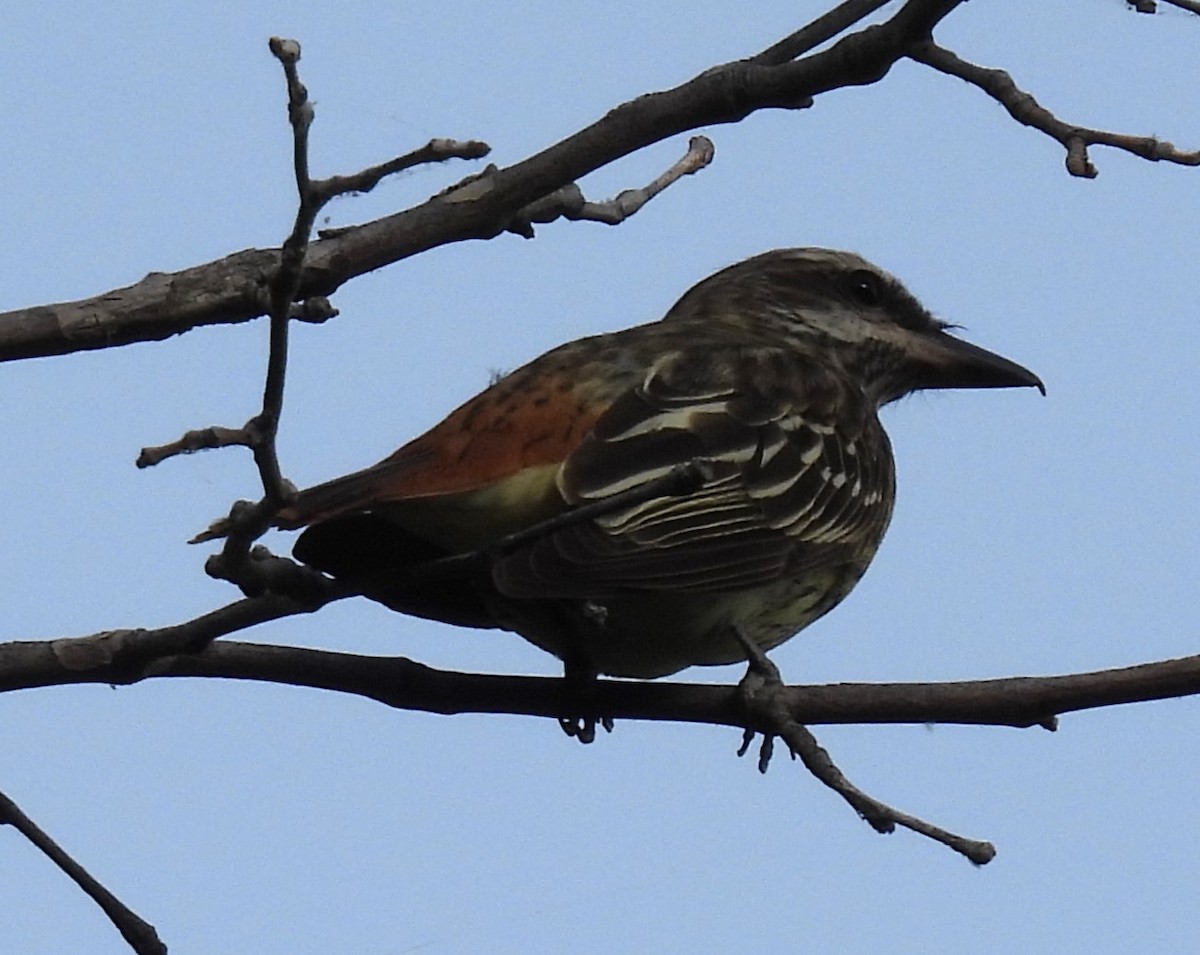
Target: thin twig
<point>247,522</point>
<point>122,657</point>
<point>140,935</point>
<point>436,150</point>
<point>1029,112</point>
<point>285,283</point>
<point>201,439</point>
<point>880,816</point>
<point>259,432</point>
<point>766,701</point>
<point>569,202</point>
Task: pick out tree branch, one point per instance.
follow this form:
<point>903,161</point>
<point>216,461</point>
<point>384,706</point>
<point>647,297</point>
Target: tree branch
<point>765,699</point>
<point>129,656</point>
<point>124,657</point>
<point>259,433</point>
<point>1028,111</point>
<point>140,935</point>
<point>230,290</point>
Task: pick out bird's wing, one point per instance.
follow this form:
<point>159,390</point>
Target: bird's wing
<point>801,474</point>
<point>502,447</point>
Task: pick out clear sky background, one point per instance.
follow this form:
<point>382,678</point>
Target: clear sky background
<point>1031,536</point>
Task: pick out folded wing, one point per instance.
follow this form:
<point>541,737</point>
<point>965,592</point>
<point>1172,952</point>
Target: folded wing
<point>790,489</point>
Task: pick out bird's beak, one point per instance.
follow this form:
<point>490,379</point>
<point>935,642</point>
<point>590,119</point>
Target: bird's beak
<point>949,362</point>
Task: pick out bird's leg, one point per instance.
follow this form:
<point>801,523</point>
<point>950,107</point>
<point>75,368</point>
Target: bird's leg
<point>580,709</point>
<point>762,677</point>
<point>558,627</point>
<point>760,666</point>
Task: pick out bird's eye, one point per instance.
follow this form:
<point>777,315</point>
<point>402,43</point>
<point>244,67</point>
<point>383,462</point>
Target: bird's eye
<point>865,287</point>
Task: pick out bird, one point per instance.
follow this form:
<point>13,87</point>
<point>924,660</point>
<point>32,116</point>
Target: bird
<point>765,379</point>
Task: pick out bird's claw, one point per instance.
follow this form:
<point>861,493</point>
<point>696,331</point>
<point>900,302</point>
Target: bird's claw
<point>583,728</point>
<point>580,709</point>
<point>766,748</point>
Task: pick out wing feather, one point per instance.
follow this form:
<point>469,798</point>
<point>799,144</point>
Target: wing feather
<point>793,456</point>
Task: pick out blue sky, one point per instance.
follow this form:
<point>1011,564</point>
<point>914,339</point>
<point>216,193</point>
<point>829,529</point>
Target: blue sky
<point>1031,535</point>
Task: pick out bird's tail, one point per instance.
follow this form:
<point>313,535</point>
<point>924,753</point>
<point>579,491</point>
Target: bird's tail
<point>352,492</point>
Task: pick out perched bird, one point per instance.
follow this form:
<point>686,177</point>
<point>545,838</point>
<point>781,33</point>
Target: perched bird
<point>766,376</point>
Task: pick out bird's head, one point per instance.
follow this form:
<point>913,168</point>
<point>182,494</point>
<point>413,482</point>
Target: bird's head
<point>839,307</point>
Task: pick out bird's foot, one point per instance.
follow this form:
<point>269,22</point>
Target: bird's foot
<point>760,692</point>
<point>583,727</point>
<point>580,710</point>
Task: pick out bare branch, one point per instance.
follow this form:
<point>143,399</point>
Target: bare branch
<point>129,656</point>
<point>436,150</point>
<point>229,291</point>
<point>285,282</point>
<point>259,432</point>
<point>880,816</point>
<point>764,697</point>
<point>1029,112</point>
<point>569,203</point>
<point>120,657</point>
<point>202,439</point>
<point>140,935</point>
